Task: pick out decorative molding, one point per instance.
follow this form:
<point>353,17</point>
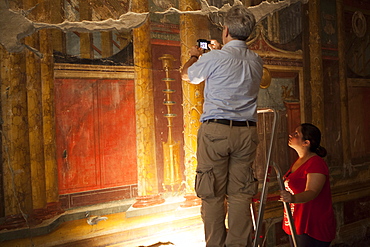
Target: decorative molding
<point>298,70</point>
<point>350,191</point>
<point>276,61</point>
<point>356,82</point>
<point>85,71</point>
<point>359,24</point>
<point>266,78</point>
<point>86,198</point>
<point>263,48</point>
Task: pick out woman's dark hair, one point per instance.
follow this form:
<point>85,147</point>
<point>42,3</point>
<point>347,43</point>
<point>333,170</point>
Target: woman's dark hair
<point>313,134</point>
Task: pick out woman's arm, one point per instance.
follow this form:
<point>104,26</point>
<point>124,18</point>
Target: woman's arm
<point>314,185</point>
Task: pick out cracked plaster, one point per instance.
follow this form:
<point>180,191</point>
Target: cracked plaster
<point>14,25</point>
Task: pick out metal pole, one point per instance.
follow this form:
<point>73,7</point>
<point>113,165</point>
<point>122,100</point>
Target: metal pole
<point>286,205</point>
<point>258,238</point>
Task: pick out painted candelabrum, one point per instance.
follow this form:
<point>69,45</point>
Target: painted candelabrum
<point>171,149</point>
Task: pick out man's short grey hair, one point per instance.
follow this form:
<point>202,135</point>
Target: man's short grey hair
<point>240,22</point>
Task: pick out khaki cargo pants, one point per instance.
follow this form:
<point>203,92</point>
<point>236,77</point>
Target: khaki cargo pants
<point>225,182</point>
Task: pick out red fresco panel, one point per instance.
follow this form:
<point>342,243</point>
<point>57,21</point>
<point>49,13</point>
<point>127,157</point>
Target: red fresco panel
<point>96,134</point>
<point>117,132</point>
<point>75,135</point>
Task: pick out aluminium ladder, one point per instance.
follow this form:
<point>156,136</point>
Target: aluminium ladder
<point>258,222</point>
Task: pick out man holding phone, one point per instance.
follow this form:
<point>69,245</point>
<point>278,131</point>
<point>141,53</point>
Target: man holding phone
<point>227,138</point>
<point>203,43</point>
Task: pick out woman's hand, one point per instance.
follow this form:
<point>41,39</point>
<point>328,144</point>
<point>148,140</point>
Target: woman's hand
<point>314,185</point>
<point>285,196</point>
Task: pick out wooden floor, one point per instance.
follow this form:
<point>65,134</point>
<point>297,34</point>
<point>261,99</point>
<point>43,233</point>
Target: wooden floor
<point>174,228</point>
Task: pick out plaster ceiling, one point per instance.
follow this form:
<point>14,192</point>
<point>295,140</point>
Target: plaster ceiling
<point>14,25</point>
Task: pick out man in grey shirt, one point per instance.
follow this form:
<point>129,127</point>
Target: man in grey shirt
<point>227,138</point>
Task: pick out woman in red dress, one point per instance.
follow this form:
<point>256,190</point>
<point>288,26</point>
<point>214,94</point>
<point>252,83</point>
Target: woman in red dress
<point>308,190</point>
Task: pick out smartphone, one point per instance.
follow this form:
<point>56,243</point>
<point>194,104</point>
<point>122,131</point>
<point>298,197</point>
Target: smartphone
<point>203,43</point>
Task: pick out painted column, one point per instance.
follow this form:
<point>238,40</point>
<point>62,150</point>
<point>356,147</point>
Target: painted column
<point>316,72</point>
<point>106,43</point>
<point>15,141</point>
<point>57,16</point>
<point>106,40</point>
<point>35,126</point>
<point>144,104</point>
<point>192,27</point>
<point>343,88</point>
<point>86,40</point>
<point>48,109</point>
<point>28,131</point>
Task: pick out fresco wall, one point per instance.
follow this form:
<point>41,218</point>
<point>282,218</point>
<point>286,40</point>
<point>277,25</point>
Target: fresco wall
<point>31,96</point>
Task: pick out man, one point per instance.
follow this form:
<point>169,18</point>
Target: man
<point>227,138</point>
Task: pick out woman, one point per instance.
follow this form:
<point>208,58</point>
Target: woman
<point>308,190</point>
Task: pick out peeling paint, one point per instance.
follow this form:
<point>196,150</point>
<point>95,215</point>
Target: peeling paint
<point>14,27</point>
<point>126,22</point>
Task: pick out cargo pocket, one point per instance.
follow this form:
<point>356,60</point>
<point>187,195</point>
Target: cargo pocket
<point>251,187</point>
<point>204,183</point>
